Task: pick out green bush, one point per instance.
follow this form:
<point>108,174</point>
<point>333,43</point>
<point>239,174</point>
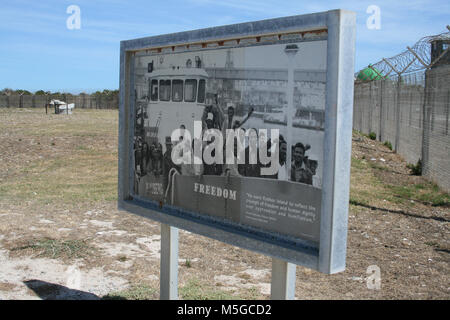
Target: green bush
<point>372,135</point>
<point>388,144</point>
<point>416,169</point>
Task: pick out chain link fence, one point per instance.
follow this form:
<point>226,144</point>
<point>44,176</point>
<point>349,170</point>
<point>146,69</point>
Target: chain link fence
<point>436,138</point>
<point>410,110</point>
<point>83,101</point>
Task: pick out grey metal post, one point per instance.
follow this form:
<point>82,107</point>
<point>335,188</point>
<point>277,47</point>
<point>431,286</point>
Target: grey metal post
<point>432,109</point>
<point>361,109</point>
<point>283,280</point>
<point>355,106</point>
<point>410,106</point>
<point>358,107</point>
<point>397,116</point>
<point>421,93</point>
<point>370,107</point>
<point>425,123</point>
<point>447,112</point>
<point>381,134</point>
<point>168,286</point>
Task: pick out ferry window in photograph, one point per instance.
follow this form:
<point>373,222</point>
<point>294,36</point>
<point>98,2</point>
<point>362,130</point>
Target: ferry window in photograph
<point>177,90</point>
<point>154,90</point>
<point>164,90</point>
<point>190,90</point>
<point>201,91</point>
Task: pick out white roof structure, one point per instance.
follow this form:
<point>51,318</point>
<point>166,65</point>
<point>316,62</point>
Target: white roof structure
<point>57,102</point>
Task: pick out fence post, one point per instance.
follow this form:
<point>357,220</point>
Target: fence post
<point>283,280</point>
<point>421,111</point>
<point>168,286</point>
<point>432,109</point>
<point>410,106</point>
<point>447,111</point>
<point>397,116</point>
<point>355,105</point>
<point>426,123</point>
<point>380,136</point>
<point>370,104</point>
<point>361,109</point>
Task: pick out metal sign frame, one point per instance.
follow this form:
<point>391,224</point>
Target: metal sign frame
<point>329,256</point>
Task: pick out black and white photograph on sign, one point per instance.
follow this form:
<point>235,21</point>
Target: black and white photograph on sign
<point>271,96</point>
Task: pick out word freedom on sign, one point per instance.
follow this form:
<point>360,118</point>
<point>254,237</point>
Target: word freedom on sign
<point>235,150</point>
<point>215,191</point>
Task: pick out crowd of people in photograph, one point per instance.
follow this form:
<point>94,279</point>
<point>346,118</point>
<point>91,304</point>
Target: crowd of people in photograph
<point>151,160</point>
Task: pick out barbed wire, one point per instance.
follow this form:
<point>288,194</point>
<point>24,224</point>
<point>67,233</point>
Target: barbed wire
<point>413,59</point>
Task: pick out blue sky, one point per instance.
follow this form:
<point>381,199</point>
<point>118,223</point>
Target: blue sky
<point>37,51</point>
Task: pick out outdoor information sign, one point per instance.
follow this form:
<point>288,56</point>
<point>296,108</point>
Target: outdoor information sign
<point>242,133</point>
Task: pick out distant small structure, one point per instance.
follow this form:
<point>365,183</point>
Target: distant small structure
<point>60,107</point>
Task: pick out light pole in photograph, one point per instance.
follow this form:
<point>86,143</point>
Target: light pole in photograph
<point>290,50</point>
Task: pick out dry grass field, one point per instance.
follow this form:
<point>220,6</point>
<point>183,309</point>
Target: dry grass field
<point>62,237</point>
